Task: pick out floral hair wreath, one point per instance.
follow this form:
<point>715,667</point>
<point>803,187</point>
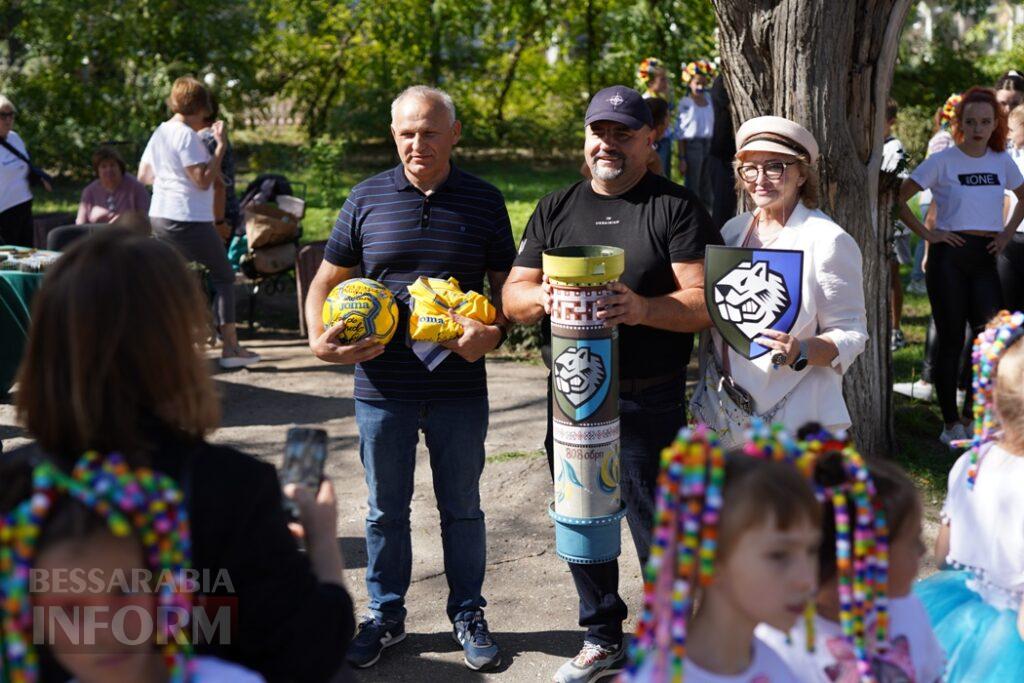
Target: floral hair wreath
<point>700,67</point>
<point>138,501</point>
<point>949,109</point>
<point>650,64</point>
<point>989,347</point>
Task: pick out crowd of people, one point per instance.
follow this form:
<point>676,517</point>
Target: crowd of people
<point>740,529</point>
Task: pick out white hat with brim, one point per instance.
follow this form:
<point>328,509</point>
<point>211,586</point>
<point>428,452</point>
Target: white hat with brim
<point>776,134</point>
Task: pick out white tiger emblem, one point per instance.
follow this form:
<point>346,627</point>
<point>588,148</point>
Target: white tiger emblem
<point>578,374</point>
<point>751,296</point>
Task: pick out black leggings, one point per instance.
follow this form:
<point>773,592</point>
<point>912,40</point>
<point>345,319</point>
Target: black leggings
<point>963,286</point>
<point>1011,273</point>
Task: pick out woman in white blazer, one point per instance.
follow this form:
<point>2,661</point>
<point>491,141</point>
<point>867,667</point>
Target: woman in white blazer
<point>800,379</point>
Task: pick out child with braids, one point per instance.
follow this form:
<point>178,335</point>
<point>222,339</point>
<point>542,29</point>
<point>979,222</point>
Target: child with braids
<point>977,604</point>
<point>738,537</point>
<point>107,541</point>
<point>909,652</point>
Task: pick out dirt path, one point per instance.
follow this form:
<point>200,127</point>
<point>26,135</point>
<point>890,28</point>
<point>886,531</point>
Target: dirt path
<point>531,600</point>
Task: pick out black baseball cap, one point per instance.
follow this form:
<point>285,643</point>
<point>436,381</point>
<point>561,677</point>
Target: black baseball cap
<point>620,104</point>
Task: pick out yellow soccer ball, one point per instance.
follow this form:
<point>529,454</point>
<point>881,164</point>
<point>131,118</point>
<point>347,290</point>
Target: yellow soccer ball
<point>367,308</point>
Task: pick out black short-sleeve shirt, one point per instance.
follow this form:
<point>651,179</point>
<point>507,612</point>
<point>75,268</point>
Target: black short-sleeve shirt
<point>657,223</point>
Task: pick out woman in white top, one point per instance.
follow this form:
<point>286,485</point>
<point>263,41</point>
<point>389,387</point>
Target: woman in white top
<point>182,172</point>
<point>15,195</point>
<point>696,126</point>
<point>800,379</point>
<point>968,182</point>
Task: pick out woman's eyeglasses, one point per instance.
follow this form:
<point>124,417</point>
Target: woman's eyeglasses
<point>6,114</point>
<point>773,170</point>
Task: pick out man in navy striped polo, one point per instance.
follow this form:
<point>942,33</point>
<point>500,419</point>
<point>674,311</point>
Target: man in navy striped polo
<point>423,217</point>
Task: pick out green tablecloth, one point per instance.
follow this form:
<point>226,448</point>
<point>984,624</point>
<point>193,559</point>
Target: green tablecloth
<point>16,291</point>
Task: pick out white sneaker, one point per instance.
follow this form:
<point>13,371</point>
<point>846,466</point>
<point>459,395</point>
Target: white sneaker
<point>592,663</point>
<point>917,287</point>
<point>921,390</point>
<point>232,362</point>
<point>954,433</point>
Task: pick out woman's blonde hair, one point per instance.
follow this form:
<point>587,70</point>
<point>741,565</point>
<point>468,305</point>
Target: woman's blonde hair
<point>112,352</point>
<point>1009,392</point>
<point>188,97</point>
<point>6,102</point>
<point>808,192</point>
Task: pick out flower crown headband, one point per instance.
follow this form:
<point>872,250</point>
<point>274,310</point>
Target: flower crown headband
<point>140,501</point>
<point>643,73</point>
<point>700,67</point>
<point>949,109</point>
<point>989,347</point>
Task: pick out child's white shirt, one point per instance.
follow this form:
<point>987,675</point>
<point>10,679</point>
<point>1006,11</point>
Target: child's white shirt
<point>765,667</point>
<point>986,525</point>
<point>914,654</point>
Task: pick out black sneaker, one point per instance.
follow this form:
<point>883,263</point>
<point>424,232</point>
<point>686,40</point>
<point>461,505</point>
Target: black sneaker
<point>471,632</point>
<point>371,638</point>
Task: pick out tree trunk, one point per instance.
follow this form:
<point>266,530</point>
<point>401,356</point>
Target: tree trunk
<point>829,66</point>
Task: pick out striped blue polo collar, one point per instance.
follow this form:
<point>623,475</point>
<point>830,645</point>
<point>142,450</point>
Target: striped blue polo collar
<point>452,182</point>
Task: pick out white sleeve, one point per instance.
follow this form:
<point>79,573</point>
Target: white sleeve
<point>1014,179</point>
<point>147,154</point>
<point>955,488</point>
<point>927,172</point>
<point>842,317</point>
<point>192,150</point>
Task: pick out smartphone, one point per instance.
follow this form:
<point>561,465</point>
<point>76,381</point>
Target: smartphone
<point>305,453</point>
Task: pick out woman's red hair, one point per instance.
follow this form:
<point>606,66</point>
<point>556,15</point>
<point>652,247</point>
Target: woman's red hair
<point>976,95</point>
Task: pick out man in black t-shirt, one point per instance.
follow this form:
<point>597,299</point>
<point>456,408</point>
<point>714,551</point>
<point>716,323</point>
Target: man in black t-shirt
<point>658,304</point>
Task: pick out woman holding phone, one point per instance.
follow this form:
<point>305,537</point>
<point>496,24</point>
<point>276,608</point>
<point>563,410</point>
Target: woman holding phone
<point>155,404</point>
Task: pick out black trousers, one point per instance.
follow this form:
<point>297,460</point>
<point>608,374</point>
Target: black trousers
<point>16,225</point>
<point>649,421</point>
<point>1010,265</point>
<point>963,288</point>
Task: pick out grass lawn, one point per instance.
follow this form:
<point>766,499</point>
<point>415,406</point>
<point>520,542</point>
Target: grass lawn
<point>523,182</point>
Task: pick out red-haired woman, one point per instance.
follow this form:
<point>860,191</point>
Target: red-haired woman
<point>968,182</point>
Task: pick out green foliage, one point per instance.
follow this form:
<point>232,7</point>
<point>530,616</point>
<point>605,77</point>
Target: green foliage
<point>83,72</point>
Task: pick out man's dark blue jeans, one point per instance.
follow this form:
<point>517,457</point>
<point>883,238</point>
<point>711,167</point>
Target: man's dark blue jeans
<point>388,434</point>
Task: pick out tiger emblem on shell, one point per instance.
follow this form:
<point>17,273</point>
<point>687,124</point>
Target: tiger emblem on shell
<point>752,297</point>
<point>578,374</point>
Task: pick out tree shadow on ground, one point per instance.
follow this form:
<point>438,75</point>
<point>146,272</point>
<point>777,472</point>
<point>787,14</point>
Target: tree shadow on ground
<point>11,432</point>
<point>353,550</point>
<point>247,405</point>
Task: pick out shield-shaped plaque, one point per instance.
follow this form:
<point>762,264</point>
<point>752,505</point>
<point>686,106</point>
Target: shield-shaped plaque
<point>748,291</point>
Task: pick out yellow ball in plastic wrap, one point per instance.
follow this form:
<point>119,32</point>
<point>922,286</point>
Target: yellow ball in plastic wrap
<point>367,308</point>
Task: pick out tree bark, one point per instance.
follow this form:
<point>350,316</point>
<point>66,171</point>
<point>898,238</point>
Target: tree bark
<point>829,65</point>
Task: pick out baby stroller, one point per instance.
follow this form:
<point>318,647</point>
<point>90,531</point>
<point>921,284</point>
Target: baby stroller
<point>272,222</point>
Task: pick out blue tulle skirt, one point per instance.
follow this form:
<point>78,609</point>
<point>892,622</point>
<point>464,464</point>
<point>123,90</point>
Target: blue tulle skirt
<point>981,642</point>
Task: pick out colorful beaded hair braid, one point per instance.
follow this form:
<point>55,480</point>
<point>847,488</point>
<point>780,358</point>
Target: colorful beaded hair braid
<point>700,67</point>
<point>862,548</point>
<point>139,501</point>
<point>989,347</point>
<point>643,73</point>
<point>949,110</point>
<point>685,536</point>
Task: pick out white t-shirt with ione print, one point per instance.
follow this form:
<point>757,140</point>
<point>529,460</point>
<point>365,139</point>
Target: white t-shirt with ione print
<point>968,191</point>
